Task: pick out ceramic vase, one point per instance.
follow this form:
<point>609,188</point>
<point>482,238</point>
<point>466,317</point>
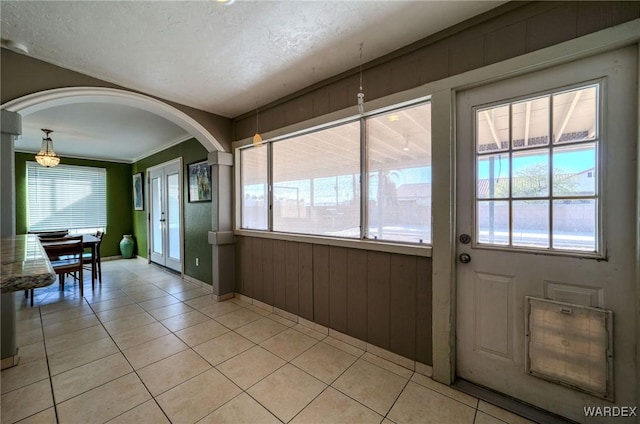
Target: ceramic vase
<point>126,246</point>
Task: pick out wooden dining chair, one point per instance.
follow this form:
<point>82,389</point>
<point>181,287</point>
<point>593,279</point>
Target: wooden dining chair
<point>65,255</point>
<point>87,257</point>
<point>43,236</point>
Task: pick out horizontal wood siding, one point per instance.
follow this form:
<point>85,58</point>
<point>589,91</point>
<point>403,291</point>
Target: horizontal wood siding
<point>402,304</point>
<point>267,271</point>
<point>423,315</point>
<point>357,278</point>
<point>378,298</point>
<point>381,298</point>
<point>291,265</point>
<point>338,288</point>
<point>305,279</point>
<point>321,284</point>
<point>279,261</point>
<point>506,32</point>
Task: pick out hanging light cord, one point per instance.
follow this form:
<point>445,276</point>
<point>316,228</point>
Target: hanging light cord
<point>361,92</point>
<point>361,45</point>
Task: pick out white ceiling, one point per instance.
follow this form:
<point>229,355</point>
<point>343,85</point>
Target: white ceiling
<point>100,131</point>
<point>224,59</point>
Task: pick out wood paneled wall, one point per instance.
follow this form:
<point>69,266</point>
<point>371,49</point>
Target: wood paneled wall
<point>510,30</point>
<point>380,298</point>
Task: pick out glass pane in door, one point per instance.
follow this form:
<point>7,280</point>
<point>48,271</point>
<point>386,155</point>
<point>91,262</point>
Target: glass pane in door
<point>156,213</point>
<point>173,220</point>
<point>539,189</point>
<point>493,222</point>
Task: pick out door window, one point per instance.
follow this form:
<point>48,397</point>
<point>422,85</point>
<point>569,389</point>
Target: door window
<point>537,172</point>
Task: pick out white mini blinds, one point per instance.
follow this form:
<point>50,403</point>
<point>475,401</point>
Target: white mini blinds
<point>66,197</point>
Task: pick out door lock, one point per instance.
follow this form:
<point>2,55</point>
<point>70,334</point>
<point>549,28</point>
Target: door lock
<point>465,238</point>
<point>465,258</point>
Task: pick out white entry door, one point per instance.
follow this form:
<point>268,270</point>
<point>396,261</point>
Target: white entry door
<point>546,217</point>
<point>165,214</point>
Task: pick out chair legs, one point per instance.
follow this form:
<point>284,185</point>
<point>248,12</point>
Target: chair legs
<point>81,283</point>
<point>99,269</point>
<point>28,293</point>
<point>79,278</point>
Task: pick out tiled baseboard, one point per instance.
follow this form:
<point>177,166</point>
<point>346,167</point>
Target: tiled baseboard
<point>201,284</point>
<point>10,361</point>
<point>403,362</point>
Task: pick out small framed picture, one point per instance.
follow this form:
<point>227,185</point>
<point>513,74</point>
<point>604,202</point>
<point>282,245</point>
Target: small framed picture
<point>199,182</point>
<point>138,191</point>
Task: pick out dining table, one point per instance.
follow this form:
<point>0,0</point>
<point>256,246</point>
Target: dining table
<point>89,241</point>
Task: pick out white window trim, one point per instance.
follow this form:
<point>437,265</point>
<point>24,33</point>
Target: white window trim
<point>600,249</point>
<point>362,242</point>
<point>371,245</point>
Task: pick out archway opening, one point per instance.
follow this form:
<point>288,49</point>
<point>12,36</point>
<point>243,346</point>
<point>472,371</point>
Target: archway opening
<point>35,102</point>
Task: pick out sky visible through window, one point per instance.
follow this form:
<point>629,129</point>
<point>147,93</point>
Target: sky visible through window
<point>536,172</point>
<point>573,162</point>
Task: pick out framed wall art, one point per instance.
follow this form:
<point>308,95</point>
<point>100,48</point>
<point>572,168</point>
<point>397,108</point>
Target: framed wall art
<point>138,191</point>
<point>199,182</point>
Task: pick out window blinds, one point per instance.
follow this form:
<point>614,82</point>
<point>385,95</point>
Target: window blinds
<point>66,197</point>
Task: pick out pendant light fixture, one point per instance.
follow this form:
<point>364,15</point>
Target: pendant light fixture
<point>46,156</point>
<point>257,138</point>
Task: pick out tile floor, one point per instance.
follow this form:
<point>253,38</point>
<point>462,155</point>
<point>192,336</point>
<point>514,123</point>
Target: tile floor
<point>147,347</point>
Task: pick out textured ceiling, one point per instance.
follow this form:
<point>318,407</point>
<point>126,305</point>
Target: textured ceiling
<point>224,59</point>
<point>100,131</point>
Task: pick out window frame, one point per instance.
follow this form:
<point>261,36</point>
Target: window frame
<point>599,194</point>
<point>79,169</point>
<point>362,242</point>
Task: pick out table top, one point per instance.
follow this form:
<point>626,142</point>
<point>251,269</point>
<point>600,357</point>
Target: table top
<point>25,265</point>
<point>87,240</point>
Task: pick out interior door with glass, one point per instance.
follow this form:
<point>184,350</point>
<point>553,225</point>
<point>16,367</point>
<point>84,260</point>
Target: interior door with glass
<point>546,249</point>
<point>165,222</point>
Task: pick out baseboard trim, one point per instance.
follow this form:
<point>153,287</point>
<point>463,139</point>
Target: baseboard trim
<point>402,361</point>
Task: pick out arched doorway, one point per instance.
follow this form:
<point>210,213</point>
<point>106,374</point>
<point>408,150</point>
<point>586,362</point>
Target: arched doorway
<point>198,126</point>
<point>61,96</point>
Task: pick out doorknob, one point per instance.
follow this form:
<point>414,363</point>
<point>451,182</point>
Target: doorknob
<point>465,258</point>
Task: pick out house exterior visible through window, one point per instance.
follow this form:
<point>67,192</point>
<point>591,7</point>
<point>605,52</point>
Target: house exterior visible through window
<point>66,197</point>
<point>537,172</point>
<point>311,183</point>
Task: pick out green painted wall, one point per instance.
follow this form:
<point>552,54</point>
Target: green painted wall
<point>197,216</point>
<point>119,199</point>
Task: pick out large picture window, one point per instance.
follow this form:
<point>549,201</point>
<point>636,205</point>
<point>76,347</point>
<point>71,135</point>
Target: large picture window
<point>316,182</point>
<point>66,197</point>
<point>312,183</point>
<point>255,188</point>
<point>399,167</point>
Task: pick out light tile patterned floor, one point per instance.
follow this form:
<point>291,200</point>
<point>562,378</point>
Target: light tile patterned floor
<point>147,347</point>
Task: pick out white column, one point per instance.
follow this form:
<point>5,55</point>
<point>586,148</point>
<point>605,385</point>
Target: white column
<point>11,126</point>
<point>221,236</point>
